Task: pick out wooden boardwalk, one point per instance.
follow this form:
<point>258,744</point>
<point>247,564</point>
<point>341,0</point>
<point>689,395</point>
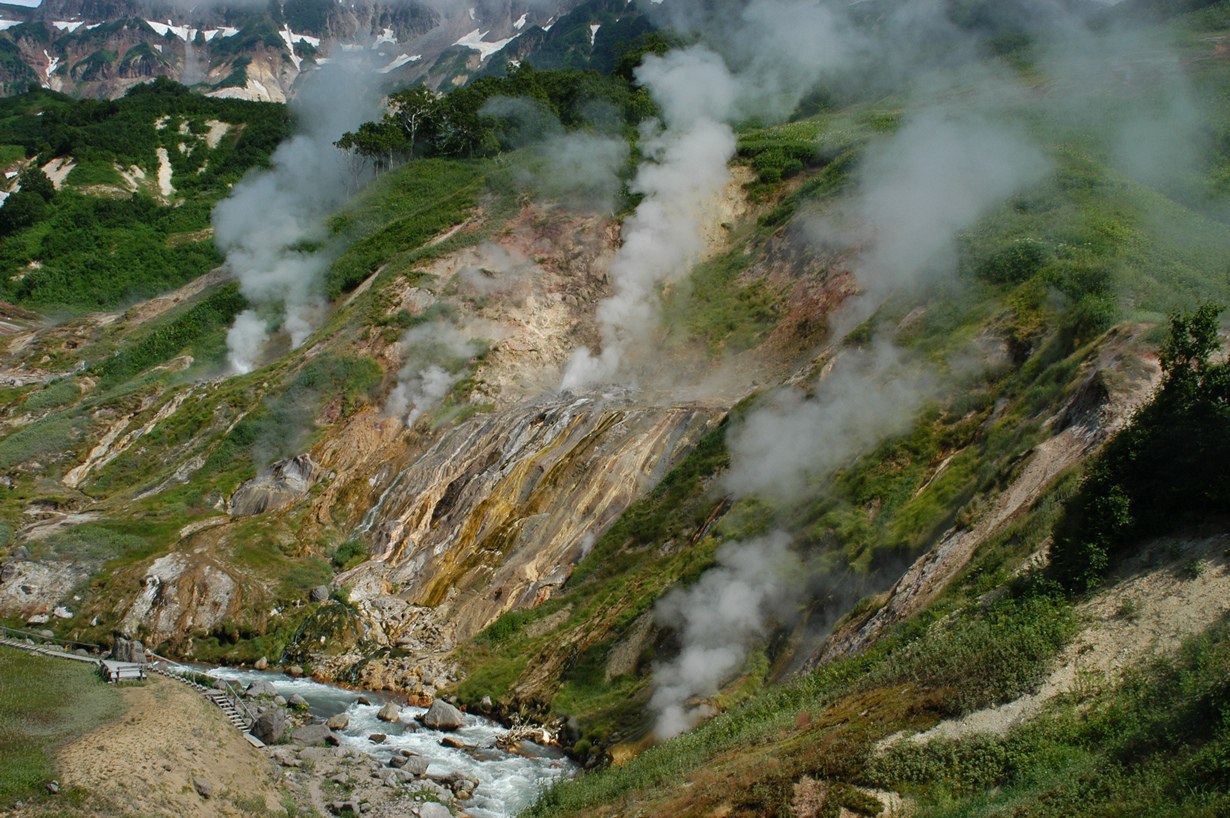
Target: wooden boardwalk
<point>226,699</point>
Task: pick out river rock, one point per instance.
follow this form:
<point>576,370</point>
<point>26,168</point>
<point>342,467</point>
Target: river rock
<point>261,664</point>
<point>260,688</point>
<point>443,716</point>
<point>297,701</point>
<point>416,766</point>
<point>203,787</point>
<point>389,712</point>
<point>434,810</point>
<point>312,734</point>
<point>294,671</point>
<point>364,700</point>
<point>319,594</point>
<point>279,701</point>
<point>397,762</point>
<point>270,726</point>
<point>377,738</point>
<point>338,722</point>
<point>454,743</point>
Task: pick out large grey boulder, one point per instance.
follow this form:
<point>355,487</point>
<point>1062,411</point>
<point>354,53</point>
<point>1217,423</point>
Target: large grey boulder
<point>389,712</point>
<point>260,688</point>
<point>270,725</point>
<point>319,594</point>
<point>433,810</point>
<point>338,722</point>
<point>203,787</point>
<point>416,766</point>
<point>128,650</point>
<point>312,734</point>
<point>297,701</point>
<point>443,716</point>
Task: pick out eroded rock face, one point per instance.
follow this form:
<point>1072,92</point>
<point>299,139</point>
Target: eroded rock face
<point>494,515</point>
<point>181,593</point>
<point>276,485</point>
<point>30,588</point>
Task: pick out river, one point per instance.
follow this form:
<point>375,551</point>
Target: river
<point>508,782</point>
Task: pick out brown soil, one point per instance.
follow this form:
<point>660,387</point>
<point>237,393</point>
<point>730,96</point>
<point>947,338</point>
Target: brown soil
<point>145,762</point>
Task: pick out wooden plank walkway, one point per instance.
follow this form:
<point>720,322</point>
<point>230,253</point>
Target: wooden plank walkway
<point>227,700</point>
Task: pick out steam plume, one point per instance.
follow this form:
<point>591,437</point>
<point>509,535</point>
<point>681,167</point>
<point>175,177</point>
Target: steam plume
<point>662,239</point>
<point>435,354</point>
<point>271,224</point>
<point>729,607</point>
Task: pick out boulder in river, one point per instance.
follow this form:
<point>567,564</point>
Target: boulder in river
<point>260,688</point>
<point>443,716</point>
<point>339,721</point>
<point>389,712</point>
<point>261,664</point>
<point>297,701</point>
<point>377,738</point>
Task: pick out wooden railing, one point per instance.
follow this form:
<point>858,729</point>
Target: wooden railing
<point>66,644</point>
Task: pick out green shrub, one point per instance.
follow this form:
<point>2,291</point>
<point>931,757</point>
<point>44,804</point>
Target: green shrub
<point>1167,465</point>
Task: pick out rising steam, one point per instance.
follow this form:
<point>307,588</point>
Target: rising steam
<point>685,171</point>
<point>272,225</point>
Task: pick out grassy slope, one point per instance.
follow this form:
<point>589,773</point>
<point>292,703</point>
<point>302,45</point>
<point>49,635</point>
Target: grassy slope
<point>99,247</point>
<point>1110,248</point>
<point>235,425</point>
<point>43,704</point>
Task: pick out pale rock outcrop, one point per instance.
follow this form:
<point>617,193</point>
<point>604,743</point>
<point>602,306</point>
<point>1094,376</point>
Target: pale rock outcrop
<point>275,486</point>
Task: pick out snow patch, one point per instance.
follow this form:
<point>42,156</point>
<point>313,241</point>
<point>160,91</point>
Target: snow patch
<point>593,32</point>
<point>387,36</point>
<point>70,26</point>
<point>7,24</point>
<point>182,32</point>
<point>475,41</point>
<point>521,21</point>
<point>399,61</point>
<point>472,17</point>
<point>30,4</point>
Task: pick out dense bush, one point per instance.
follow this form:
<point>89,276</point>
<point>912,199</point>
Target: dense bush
<point>1167,465</point>
<point>160,342</point>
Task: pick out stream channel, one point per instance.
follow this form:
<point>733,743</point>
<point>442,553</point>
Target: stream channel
<point>508,782</point>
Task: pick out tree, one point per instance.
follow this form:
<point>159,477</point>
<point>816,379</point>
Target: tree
<point>33,180</point>
<point>1166,466</point>
<point>21,209</point>
<point>415,110</point>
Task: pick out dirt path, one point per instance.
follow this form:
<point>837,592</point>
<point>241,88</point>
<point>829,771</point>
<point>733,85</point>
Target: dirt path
<point>147,761</point>
<point>1149,611</point>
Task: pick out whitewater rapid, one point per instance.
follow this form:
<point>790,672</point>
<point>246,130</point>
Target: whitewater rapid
<point>508,782</point>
